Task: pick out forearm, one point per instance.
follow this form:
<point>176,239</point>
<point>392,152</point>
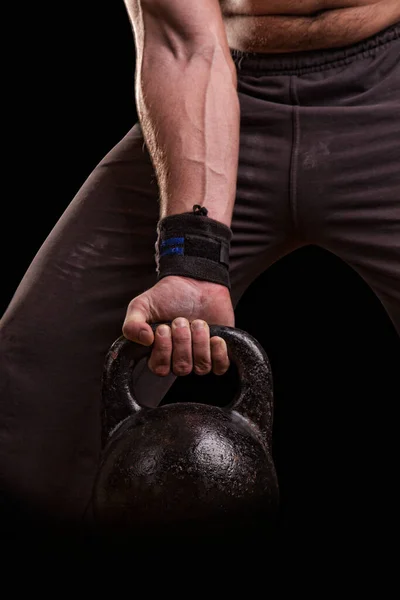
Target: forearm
<point>188,108</point>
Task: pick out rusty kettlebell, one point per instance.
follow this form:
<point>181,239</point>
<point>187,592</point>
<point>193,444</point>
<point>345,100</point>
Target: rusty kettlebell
<point>187,468</point>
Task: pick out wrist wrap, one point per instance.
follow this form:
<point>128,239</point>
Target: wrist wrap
<point>193,245</point>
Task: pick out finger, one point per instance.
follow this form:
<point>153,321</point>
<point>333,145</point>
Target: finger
<point>219,355</point>
<point>182,363</point>
<point>135,327</point>
<point>201,347</point>
<point>160,359</point>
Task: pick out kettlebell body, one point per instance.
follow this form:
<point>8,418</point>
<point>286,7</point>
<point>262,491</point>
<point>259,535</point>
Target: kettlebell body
<point>187,467</point>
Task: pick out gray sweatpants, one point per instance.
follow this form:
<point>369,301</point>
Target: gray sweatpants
<point>319,164</point>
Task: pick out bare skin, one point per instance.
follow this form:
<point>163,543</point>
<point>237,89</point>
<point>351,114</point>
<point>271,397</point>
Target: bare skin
<point>269,26</point>
<point>193,138</point>
<point>184,345</point>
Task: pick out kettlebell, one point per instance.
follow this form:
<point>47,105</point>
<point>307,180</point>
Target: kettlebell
<point>187,468</point>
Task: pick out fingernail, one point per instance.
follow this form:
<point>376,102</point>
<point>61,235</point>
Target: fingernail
<point>197,325</point>
<point>163,330</point>
<point>143,336</point>
<point>221,343</point>
<point>180,322</point>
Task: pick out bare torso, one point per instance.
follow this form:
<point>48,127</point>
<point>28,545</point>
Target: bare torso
<point>297,25</point>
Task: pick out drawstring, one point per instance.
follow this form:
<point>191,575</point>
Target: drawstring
<point>200,210</point>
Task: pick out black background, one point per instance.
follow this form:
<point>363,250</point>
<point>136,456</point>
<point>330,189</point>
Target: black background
<point>333,350</point>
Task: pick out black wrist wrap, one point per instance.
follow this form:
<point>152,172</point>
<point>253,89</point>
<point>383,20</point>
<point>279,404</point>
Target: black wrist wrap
<point>193,245</point>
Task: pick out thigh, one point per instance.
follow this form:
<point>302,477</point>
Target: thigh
<point>65,314</point>
<point>349,169</point>
<point>263,226</point>
<point>70,305</point>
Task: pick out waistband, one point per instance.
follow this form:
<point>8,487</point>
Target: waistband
<point>297,63</point>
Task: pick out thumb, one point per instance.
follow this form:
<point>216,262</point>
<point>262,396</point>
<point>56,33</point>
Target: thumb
<point>136,328</point>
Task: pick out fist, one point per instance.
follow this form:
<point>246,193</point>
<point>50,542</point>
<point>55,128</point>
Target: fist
<point>185,346</point>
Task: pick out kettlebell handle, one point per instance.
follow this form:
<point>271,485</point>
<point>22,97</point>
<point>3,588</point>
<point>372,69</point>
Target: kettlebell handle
<point>253,401</point>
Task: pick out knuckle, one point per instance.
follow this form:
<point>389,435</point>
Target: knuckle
<point>181,368</point>
<point>220,357</point>
<point>162,346</point>
<point>182,336</point>
<point>161,370</point>
<point>220,363</point>
<point>159,362</point>
<point>219,371</point>
<point>202,367</point>
<point>220,366</point>
<point>159,365</point>
<point>201,342</point>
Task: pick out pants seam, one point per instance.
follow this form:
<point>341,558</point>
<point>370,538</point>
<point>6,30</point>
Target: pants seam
<point>293,176</point>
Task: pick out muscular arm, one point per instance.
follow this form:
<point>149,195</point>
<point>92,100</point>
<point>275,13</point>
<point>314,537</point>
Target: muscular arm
<point>187,103</point>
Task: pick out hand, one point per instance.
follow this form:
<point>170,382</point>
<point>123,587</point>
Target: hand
<point>184,347</point>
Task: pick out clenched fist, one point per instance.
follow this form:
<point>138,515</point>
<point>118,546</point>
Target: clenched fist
<point>190,305</point>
